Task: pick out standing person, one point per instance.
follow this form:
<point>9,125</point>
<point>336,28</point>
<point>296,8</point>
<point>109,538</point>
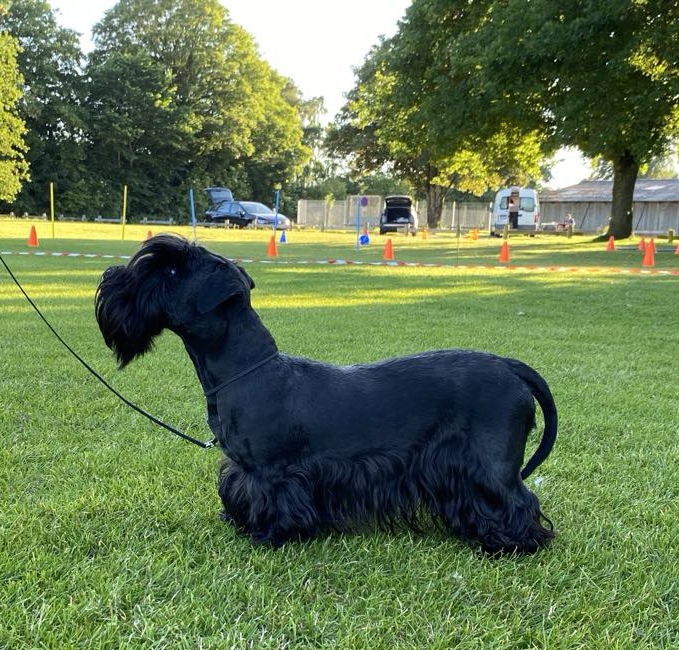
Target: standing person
<point>513,213</point>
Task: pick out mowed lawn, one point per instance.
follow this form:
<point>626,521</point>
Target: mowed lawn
<point>109,534</point>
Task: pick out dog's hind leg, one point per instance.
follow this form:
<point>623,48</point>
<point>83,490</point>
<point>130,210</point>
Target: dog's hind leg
<point>271,507</point>
<point>482,502</point>
<point>506,520</point>
<point>497,508</point>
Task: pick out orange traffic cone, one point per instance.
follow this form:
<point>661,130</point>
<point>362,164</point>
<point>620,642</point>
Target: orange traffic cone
<point>649,259</point>
<point>149,234</point>
<point>642,245</point>
<point>475,234</point>
<point>388,252</point>
<point>611,244</point>
<point>504,253</point>
<point>271,248</point>
<point>676,250</point>
<point>424,232</point>
<point>32,237</point>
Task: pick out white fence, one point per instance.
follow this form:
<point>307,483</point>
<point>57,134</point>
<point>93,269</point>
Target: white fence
<point>352,212</point>
<point>465,215</point>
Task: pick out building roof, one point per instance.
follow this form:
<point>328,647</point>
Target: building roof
<point>646,189</point>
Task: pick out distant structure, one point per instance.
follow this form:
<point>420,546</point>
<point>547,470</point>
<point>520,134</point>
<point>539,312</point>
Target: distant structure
<point>655,209</point>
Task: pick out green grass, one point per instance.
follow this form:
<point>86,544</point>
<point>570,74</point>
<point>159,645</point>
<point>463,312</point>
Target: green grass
<point>109,536</point>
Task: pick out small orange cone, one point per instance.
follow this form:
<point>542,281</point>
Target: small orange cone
<point>642,245</point>
<point>424,232</point>
<point>388,252</point>
<point>676,250</point>
<point>149,234</point>
<point>504,253</point>
<point>649,259</point>
<point>271,248</point>
<point>32,237</point>
<point>475,234</point>
<point>611,244</point>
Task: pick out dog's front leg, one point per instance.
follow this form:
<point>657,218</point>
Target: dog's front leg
<point>272,505</point>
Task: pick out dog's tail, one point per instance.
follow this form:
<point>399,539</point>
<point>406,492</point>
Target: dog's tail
<point>543,395</point>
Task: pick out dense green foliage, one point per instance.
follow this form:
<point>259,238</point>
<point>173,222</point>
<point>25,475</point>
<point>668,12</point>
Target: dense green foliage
<point>49,61</point>
<point>109,535</point>
<point>13,168</point>
<point>601,76</point>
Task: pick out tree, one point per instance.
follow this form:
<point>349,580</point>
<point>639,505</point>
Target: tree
<point>229,118</point>
<point>599,75</point>
<point>390,119</point>
<point>315,171</point>
<point>280,151</point>
<point>372,133</point>
<point>49,60</point>
<point>136,134</point>
<point>13,167</point>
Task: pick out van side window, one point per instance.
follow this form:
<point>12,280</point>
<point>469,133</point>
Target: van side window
<point>527,203</point>
<point>504,203</point>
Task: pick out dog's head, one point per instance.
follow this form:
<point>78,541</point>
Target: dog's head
<point>169,283</point>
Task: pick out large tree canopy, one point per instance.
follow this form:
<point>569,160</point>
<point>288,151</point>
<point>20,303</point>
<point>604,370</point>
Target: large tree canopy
<point>194,92</point>
<point>174,95</point>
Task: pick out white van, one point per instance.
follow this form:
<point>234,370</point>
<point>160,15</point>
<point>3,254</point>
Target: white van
<point>528,208</point>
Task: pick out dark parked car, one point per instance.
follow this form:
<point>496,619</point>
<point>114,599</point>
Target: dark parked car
<point>246,213</point>
<point>217,196</point>
<point>398,214</point>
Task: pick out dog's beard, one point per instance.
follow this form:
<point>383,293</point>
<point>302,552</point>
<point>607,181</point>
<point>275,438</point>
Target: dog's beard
<point>127,319</point>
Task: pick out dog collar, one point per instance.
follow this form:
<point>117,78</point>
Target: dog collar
<point>247,371</point>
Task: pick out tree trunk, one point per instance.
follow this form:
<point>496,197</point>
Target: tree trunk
<point>435,196</point>
<point>625,171</point>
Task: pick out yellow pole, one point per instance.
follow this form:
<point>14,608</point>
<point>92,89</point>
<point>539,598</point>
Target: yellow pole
<point>52,207</point>
<point>124,208</point>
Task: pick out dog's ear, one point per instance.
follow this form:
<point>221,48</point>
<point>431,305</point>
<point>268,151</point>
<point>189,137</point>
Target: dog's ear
<point>251,282</point>
<point>220,286</point>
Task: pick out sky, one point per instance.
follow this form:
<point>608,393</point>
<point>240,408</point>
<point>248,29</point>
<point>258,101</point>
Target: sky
<point>316,44</point>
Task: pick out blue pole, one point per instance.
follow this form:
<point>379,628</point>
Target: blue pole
<point>358,221</point>
<point>275,211</point>
<point>193,213</point>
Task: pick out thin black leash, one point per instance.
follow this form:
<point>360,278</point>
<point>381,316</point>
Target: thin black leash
<point>155,420</point>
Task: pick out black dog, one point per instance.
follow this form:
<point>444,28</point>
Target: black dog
<point>312,446</point>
